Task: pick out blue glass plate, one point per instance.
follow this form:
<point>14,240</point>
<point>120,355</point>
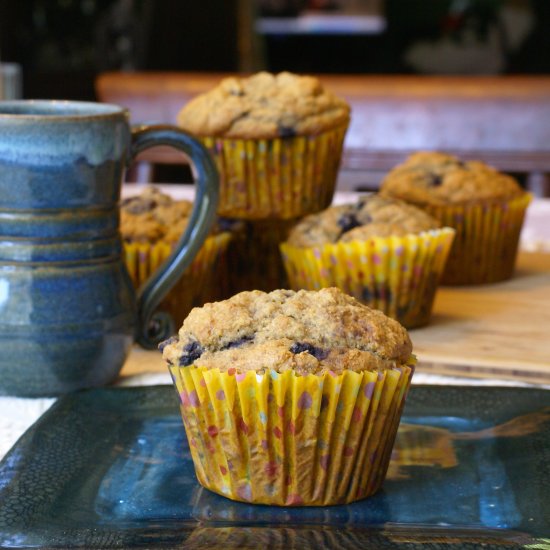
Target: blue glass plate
<point>111,468</point>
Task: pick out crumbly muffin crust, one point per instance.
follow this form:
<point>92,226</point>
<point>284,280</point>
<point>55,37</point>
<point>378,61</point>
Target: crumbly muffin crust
<point>304,331</point>
<point>433,178</point>
<point>371,216</point>
<point>264,106</point>
<point>152,216</point>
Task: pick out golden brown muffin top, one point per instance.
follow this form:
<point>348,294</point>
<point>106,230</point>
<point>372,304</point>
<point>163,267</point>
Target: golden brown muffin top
<point>371,216</point>
<point>432,178</point>
<point>264,106</point>
<point>304,331</point>
<point>152,215</point>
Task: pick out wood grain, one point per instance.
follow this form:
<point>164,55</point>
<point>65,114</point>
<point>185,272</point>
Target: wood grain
<point>496,331</point>
<point>499,331</point>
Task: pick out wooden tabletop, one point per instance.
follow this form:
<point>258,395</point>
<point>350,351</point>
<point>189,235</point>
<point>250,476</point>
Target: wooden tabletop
<point>493,331</point>
<point>499,331</point>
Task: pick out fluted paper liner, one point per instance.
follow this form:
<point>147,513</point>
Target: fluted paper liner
<point>197,284</point>
<point>486,242</point>
<point>289,440</point>
<point>278,178</point>
<point>398,275</point>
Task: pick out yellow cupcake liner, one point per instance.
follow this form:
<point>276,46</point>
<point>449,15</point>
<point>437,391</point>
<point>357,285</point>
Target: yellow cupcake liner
<point>197,285</point>
<point>289,440</point>
<point>486,242</point>
<point>398,275</point>
<point>277,178</point>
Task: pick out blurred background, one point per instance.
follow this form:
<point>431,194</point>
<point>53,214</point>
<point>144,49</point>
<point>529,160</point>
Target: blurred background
<point>60,46</point>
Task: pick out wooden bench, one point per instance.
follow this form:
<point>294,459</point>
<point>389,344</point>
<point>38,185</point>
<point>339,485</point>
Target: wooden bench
<point>504,121</point>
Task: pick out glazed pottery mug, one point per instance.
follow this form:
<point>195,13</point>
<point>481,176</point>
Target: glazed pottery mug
<point>68,310</point>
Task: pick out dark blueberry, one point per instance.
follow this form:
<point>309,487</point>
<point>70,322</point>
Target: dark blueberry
<point>348,221</point>
<point>299,347</point>
<point>286,131</point>
<point>318,353</point>
<point>191,351</point>
<point>170,340</point>
<point>434,180</point>
<point>238,343</point>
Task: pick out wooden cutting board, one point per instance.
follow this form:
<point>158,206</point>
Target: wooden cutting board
<point>492,331</point>
<point>499,331</point>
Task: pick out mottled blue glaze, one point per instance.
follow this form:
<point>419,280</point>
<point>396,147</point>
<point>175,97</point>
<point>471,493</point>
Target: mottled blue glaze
<point>68,310</point>
<point>58,154</point>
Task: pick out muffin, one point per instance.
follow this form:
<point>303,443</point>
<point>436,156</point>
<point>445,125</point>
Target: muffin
<point>151,224</point>
<point>484,206</point>
<point>290,398</point>
<point>384,252</point>
<point>277,141</point>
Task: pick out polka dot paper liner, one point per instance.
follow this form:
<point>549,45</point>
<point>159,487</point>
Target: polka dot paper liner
<point>398,275</point>
<point>486,242</point>
<point>276,178</point>
<point>289,440</point>
<point>197,285</point>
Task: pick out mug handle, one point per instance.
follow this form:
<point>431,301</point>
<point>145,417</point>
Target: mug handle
<point>153,327</point>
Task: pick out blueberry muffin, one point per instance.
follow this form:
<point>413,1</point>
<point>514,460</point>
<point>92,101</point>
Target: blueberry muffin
<point>277,140</point>
<point>384,252</point>
<point>483,205</point>
<point>306,332</point>
<point>264,106</point>
<point>153,216</point>
<point>151,223</point>
<point>265,380</point>
<point>371,216</point>
<point>439,179</point>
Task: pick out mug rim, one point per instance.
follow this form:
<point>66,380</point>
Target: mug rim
<point>57,109</point>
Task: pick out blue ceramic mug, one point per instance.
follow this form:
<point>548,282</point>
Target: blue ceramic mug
<point>68,310</point>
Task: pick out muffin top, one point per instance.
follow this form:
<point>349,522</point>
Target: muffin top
<point>371,216</point>
<point>152,216</point>
<point>305,331</point>
<point>264,106</point>
<point>432,178</point>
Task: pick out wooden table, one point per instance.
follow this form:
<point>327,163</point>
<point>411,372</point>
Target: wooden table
<point>493,331</point>
<point>499,331</point>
